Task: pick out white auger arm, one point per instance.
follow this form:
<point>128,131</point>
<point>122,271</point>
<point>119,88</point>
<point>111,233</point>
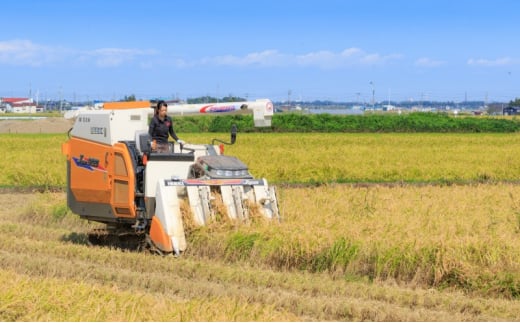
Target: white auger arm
<point>262,109</point>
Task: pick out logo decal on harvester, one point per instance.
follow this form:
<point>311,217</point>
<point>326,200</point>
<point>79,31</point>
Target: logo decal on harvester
<point>88,163</point>
<point>214,109</point>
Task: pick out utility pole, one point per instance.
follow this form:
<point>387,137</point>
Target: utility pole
<point>60,100</point>
<point>373,94</point>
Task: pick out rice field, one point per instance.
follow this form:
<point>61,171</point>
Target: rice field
<point>36,160</point>
<point>354,158</point>
<point>457,237</point>
<point>377,227</point>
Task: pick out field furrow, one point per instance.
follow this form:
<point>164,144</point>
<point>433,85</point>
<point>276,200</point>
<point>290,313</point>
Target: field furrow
<point>315,305</point>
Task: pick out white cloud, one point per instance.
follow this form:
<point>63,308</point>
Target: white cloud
<point>111,57</point>
<point>264,58</point>
<point>349,57</point>
<point>428,62</point>
<point>351,52</point>
<point>503,61</point>
<point>28,53</point>
<point>24,52</point>
<point>321,59</point>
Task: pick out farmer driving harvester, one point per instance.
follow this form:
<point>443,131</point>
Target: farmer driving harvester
<point>160,127</point>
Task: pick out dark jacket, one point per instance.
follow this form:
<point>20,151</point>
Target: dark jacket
<point>159,130</point>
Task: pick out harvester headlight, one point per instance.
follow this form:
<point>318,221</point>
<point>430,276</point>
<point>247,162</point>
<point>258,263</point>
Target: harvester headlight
<point>229,173</point>
<point>220,172</point>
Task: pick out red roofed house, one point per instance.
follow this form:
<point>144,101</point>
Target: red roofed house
<point>19,105</point>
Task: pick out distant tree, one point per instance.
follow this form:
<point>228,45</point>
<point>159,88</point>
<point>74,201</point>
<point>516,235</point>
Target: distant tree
<point>202,99</point>
<point>211,99</point>
<point>128,98</point>
<point>515,103</point>
<point>231,98</point>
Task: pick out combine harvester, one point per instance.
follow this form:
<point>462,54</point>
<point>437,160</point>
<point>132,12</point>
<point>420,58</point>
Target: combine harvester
<point>114,176</point>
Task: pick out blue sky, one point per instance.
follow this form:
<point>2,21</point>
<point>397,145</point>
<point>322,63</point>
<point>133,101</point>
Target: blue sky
<point>298,50</point>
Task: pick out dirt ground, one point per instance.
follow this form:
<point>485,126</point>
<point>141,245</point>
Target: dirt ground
<point>47,125</point>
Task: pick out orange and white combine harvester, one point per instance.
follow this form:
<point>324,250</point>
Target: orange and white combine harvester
<point>114,176</point>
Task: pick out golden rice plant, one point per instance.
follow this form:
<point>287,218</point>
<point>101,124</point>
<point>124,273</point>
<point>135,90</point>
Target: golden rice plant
<point>388,157</point>
<point>446,236</point>
<point>36,160</point>
<point>32,160</point>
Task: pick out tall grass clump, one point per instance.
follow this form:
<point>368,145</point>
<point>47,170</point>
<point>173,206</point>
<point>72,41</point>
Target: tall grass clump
<point>335,258</point>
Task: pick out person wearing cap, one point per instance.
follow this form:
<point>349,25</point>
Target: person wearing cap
<point>161,126</point>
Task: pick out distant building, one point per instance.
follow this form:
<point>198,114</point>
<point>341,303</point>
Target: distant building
<point>19,105</point>
<point>511,111</point>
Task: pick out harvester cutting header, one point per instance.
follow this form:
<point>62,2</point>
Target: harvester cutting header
<point>114,176</point>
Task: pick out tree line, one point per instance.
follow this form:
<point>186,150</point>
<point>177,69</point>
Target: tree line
<point>295,122</point>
